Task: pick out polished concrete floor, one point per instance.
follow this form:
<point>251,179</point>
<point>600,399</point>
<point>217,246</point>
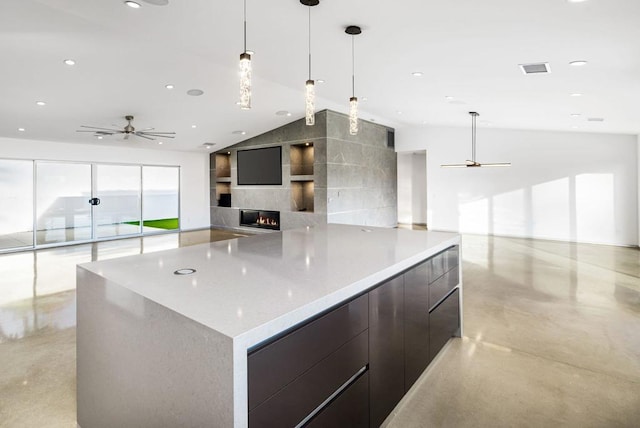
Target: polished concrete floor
<point>551,336</point>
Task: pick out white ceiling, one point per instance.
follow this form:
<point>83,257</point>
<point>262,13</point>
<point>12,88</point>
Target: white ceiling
<point>467,49</point>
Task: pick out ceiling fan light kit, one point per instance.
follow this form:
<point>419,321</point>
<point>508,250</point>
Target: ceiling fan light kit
<point>473,163</point>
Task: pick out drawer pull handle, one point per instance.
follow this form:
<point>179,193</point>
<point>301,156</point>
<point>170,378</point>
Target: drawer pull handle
<point>337,392</point>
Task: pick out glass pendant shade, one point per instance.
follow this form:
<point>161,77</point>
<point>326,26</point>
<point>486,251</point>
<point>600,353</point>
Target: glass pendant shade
<point>353,115</point>
<point>310,102</point>
<point>245,81</point>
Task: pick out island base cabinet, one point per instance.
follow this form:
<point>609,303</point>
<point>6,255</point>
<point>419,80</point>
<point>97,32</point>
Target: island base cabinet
<point>349,409</point>
<point>298,400</point>
<point>386,348</point>
<point>444,322</point>
<point>416,322</point>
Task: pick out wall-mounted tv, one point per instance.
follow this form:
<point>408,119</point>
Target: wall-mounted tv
<point>260,166</point>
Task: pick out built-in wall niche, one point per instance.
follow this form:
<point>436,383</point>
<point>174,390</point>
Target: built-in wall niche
<point>301,158</point>
<point>223,165</point>
<point>302,194</point>
<point>223,178</point>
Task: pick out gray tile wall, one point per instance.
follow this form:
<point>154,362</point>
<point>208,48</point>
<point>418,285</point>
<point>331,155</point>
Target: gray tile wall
<point>354,177</point>
<point>361,174</point>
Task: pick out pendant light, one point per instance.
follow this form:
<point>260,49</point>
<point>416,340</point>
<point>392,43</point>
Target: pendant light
<point>472,163</point>
<point>310,91</point>
<point>353,30</point>
<point>245,70</point>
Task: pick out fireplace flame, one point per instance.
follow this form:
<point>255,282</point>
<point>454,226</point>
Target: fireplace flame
<point>267,221</point>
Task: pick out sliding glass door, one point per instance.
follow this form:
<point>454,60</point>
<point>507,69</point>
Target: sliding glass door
<point>71,202</point>
<point>161,198</point>
<point>63,211</point>
<point>116,207</point>
<point>16,200</point>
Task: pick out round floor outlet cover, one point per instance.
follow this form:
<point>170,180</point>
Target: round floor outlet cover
<point>185,271</point>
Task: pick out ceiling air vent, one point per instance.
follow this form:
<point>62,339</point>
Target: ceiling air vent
<point>595,119</point>
<point>537,68</point>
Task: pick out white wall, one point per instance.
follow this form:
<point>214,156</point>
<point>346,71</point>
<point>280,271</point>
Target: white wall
<point>194,171</point>
<point>566,186</point>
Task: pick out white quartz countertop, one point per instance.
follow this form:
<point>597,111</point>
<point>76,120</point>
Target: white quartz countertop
<point>253,288</point>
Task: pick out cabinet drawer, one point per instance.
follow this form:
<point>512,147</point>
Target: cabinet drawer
<point>442,286</point>
<point>297,400</point>
<point>444,322</point>
<point>444,262</point>
<point>350,409</point>
<point>277,364</point>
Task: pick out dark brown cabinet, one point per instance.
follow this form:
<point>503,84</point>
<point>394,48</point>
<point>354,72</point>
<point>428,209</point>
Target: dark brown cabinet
<point>444,322</point>
<point>386,348</point>
<point>351,366</point>
<point>350,409</point>
<point>416,322</point>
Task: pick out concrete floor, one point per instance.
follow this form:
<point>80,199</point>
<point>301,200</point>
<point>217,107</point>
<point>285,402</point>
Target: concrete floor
<point>552,336</point>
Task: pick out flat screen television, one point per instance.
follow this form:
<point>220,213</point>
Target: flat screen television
<point>260,166</point>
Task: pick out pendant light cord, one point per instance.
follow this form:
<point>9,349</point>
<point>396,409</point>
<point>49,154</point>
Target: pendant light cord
<point>353,67</point>
<point>245,25</point>
<point>309,42</point>
<point>473,137</point>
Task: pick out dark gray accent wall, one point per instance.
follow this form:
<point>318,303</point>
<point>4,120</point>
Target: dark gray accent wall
<point>353,179</point>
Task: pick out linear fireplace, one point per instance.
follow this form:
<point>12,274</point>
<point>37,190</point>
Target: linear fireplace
<point>261,219</point>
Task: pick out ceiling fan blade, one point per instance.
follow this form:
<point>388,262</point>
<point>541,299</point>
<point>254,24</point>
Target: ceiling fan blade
<point>155,135</point>
<point>138,134</point>
<point>158,132</point>
<point>147,129</point>
<point>496,164</point>
<point>455,165</point>
<point>104,129</point>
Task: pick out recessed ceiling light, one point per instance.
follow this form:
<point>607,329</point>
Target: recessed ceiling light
<point>320,80</point>
<point>239,132</point>
<point>576,94</point>
<point>575,114</point>
<point>41,103</point>
<point>399,112</point>
<point>417,74</point>
<point>99,137</point>
<point>160,142</point>
<point>21,129</point>
<point>449,98</point>
<point>237,103</point>
<point>69,62</point>
<point>132,4</point>
<point>169,86</point>
<point>578,63</point>
<point>576,1</point>
<point>283,113</point>
<point>195,92</point>
<point>194,126</point>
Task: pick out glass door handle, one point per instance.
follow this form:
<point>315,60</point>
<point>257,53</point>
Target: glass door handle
<point>94,201</point>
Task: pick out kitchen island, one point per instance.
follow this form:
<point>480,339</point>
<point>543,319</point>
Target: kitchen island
<point>306,325</point>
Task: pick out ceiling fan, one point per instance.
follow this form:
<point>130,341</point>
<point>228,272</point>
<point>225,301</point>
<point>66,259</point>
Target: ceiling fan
<point>147,133</point>
<point>473,163</point>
